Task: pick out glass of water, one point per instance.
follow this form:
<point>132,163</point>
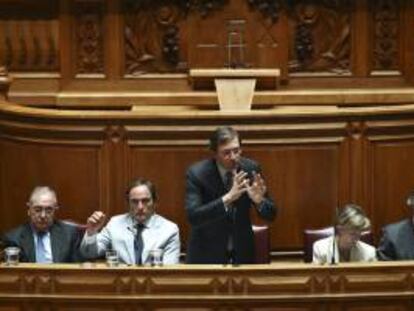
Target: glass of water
<point>156,257</point>
<point>11,256</point>
<point>112,258</point>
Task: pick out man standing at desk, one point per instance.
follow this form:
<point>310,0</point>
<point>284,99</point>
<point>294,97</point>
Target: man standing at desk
<point>220,192</point>
<point>44,239</point>
<point>135,233</point>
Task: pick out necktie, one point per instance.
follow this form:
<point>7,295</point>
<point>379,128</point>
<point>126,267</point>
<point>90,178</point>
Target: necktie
<point>139,244</point>
<point>228,180</point>
<point>41,255</point>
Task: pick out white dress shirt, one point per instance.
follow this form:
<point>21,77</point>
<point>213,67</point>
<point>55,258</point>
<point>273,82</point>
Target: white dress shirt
<point>323,249</point>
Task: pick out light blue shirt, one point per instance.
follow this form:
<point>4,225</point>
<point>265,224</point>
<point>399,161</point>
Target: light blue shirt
<point>119,235</point>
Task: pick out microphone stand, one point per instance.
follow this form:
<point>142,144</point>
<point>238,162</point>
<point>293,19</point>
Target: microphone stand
<point>333,262</point>
<point>231,253</point>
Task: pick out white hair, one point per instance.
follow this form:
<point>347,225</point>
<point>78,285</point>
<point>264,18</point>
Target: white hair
<point>39,191</point>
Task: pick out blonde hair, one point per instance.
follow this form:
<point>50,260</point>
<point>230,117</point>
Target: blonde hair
<point>353,217</point>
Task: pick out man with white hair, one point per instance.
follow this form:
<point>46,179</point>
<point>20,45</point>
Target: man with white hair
<point>43,239</point>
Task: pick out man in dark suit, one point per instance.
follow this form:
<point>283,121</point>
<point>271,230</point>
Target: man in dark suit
<point>397,241</point>
<point>220,193</point>
<point>43,239</point>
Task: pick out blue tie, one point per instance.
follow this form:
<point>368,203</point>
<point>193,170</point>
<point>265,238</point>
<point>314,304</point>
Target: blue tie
<point>40,248</point>
<point>139,244</point>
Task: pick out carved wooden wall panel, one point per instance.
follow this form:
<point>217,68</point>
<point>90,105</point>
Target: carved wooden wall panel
<point>89,36</point>
<point>116,46</point>
<point>152,37</point>
<point>386,32</point>
<point>243,37</point>
<point>320,35</point>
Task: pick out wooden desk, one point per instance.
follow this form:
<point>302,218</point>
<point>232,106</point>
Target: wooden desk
<point>377,286</point>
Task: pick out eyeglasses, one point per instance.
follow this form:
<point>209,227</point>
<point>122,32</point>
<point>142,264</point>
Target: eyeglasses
<point>229,152</point>
<point>48,210</point>
<point>144,201</point>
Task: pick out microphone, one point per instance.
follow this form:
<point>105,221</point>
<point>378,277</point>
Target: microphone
<point>334,238</point>
<point>242,166</point>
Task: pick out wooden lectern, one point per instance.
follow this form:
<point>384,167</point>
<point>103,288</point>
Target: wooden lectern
<point>235,87</point>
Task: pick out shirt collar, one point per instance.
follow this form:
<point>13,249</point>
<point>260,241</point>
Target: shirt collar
<point>147,224</point>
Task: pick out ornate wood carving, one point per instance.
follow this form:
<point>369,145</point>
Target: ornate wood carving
<point>89,37</point>
<point>204,7</point>
<point>29,35</point>
<point>171,42</point>
<point>268,8</point>
<point>151,36</point>
<point>380,287</point>
<point>386,34</point>
<point>33,49</point>
<point>321,33</point>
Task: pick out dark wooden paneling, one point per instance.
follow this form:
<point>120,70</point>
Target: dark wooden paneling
<point>167,166</point>
<point>303,180</point>
<point>392,179</point>
<point>312,162</point>
<point>74,172</point>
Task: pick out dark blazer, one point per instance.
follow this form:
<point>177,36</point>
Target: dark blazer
<point>210,223</point>
<point>397,241</point>
<point>64,240</point>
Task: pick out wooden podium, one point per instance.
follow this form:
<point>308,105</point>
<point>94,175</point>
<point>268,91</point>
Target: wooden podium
<point>235,87</point>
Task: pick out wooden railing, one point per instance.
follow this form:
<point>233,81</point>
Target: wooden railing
<point>377,286</point>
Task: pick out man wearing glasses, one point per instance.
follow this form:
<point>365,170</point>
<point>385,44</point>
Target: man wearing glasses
<point>220,193</point>
<point>43,239</point>
<point>135,234</point>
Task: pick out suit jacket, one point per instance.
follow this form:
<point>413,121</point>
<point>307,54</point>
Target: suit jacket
<point>64,239</point>
<point>397,241</point>
<point>322,251</point>
<point>211,225</point>
<point>119,235</point>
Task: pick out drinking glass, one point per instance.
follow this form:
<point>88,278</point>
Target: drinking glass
<point>11,256</point>
<point>156,257</point>
<point>111,258</point>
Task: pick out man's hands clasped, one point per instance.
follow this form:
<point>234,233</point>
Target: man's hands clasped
<point>255,188</point>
